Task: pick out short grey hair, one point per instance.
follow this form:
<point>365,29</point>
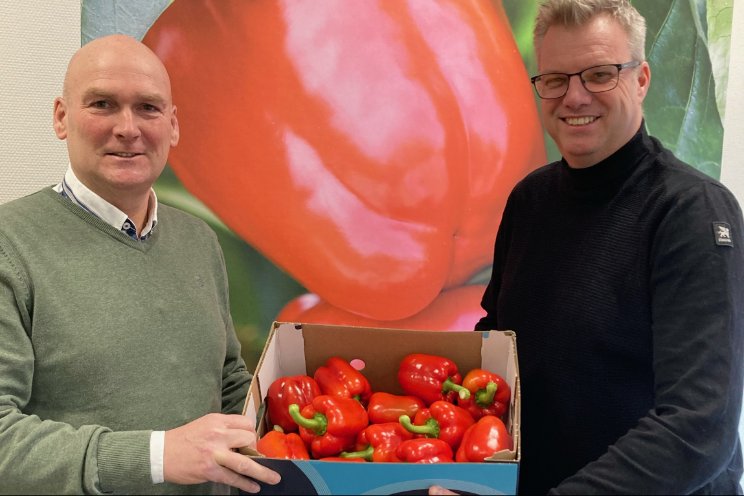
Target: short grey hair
<point>573,13</point>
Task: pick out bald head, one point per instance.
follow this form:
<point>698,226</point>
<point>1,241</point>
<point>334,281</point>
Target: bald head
<point>114,52</point>
<point>118,119</point>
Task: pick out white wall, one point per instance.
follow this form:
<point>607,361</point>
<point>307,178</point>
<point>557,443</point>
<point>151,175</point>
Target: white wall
<point>37,39</point>
<point>732,172</point>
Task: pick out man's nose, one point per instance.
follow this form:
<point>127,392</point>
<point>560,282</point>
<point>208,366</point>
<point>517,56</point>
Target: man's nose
<point>576,94</point>
<point>126,126</point>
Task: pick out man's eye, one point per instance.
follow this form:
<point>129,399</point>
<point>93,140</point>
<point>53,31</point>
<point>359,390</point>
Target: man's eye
<point>553,81</point>
<point>100,104</point>
<point>148,107</point>
<point>599,76</point>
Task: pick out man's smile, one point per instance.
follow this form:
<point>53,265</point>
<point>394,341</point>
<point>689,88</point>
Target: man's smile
<point>579,121</point>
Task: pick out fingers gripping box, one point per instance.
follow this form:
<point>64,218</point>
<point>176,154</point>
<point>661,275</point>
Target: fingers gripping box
<point>295,349</point>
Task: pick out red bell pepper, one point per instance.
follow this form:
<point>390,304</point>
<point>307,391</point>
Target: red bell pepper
<point>330,424</point>
<point>483,439</point>
<point>489,394</point>
<point>442,420</point>
<point>431,378</point>
<point>385,407</point>
<point>392,132</point>
<point>288,390</point>
<point>379,442</point>
<point>338,378</point>
<point>425,450</point>
<point>277,444</point>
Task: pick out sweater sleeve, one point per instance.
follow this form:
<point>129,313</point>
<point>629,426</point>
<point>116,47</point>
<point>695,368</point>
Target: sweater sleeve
<point>690,437</point>
<point>39,456</point>
<point>235,377</point>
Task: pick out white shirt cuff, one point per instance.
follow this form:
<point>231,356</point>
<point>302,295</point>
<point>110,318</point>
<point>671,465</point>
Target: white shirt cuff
<point>157,453</point>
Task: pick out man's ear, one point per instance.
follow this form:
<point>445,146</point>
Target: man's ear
<point>60,118</point>
<point>644,80</point>
<point>175,131</point>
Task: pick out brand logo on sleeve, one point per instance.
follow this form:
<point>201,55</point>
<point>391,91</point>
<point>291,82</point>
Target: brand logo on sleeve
<point>722,234</point>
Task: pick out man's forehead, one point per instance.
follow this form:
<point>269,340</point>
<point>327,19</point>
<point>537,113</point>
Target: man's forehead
<point>579,47</point>
<point>121,79</point>
<point>109,92</point>
<point>113,60</point>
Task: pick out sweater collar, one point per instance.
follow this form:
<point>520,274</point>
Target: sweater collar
<point>89,200</point>
<point>606,176</point>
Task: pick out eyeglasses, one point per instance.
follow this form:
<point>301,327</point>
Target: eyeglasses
<point>596,79</point>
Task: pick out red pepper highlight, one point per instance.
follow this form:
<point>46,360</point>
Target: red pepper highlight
<point>431,378</point>
<point>385,407</point>
<point>425,450</point>
<point>338,378</point>
<point>489,394</point>
<point>484,438</point>
<point>330,424</point>
<point>285,391</point>
<point>442,420</point>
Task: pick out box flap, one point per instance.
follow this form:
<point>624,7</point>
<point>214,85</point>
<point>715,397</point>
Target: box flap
<point>381,350</point>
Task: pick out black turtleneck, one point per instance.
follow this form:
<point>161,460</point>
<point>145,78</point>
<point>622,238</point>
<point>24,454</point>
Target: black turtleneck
<point>628,306</point>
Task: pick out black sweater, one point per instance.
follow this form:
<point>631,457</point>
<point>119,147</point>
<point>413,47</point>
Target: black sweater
<point>627,300</point>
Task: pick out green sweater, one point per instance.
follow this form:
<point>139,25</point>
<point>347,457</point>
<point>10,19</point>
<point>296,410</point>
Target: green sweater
<point>104,339</point>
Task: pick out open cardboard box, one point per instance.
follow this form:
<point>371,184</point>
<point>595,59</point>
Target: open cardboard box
<point>294,349</point>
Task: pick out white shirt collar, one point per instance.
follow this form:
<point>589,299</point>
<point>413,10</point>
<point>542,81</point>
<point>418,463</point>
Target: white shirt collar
<point>92,202</point>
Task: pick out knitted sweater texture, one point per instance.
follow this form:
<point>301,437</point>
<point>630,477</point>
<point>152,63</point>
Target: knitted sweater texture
<point>627,299</point>
<point>104,339</point>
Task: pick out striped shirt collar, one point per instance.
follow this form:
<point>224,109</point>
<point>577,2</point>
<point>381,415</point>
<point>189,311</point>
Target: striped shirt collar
<point>82,196</point>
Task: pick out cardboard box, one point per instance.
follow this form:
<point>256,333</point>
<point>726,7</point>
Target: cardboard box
<point>293,349</point>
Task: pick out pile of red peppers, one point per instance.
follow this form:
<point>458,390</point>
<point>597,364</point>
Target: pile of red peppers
<point>334,415</point>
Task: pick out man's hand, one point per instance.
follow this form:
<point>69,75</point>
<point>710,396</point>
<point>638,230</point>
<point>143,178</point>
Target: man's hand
<point>202,451</point>
<point>439,490</point>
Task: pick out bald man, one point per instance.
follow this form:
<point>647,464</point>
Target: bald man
<point>120,370</point>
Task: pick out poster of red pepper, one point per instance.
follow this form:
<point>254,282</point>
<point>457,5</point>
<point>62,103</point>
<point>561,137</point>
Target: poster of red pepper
<point>354,156</point>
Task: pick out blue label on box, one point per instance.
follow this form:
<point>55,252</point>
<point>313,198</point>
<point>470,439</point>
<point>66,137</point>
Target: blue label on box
<point>317,477</point>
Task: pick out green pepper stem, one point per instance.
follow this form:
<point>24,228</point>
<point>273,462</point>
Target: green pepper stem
<point>318,424</point>
<point>449,385</point>
<point>484,397</point>
<point>365,453</point>
<point>429,429</point>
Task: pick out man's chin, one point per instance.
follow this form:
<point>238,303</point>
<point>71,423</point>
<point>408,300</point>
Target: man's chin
<point>580,157</point>
<point>131,183</point>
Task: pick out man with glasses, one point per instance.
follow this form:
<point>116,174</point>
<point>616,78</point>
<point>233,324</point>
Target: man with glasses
<point>621,270</point>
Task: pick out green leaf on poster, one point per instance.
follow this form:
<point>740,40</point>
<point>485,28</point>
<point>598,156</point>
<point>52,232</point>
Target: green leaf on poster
<point>720,14</point>
<point>132,17</point>
<point>680,107</point>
